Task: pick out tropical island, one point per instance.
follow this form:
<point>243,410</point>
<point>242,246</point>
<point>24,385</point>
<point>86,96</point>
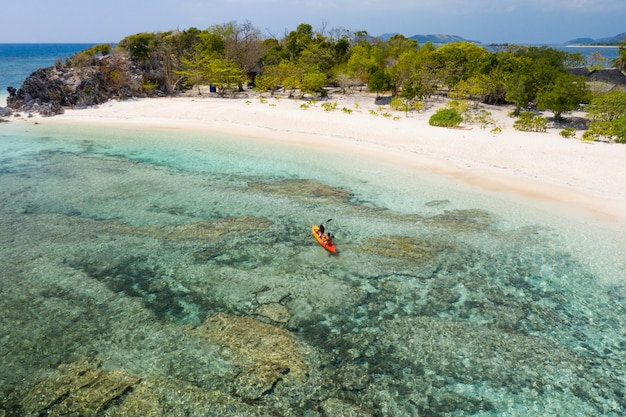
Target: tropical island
<point>234,58</point>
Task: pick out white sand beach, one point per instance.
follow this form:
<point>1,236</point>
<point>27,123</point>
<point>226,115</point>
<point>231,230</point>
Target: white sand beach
<point>572,176</point>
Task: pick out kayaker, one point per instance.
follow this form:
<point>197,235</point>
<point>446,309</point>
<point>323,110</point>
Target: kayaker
<point>327,239</point>
<point>321,231</point>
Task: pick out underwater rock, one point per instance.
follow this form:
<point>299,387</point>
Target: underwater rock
<point>82,389</point>
<point>212,229</point>
<point>275,312</point>
<point>272,295</point>
<point>266,354</point>
<point>334,407</point>
<point>474,220</point>
<point>303,188</point>
<point>437,203</point>
<point>403,247</point>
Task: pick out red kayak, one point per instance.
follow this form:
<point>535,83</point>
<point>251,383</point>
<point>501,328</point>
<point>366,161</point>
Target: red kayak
<point>330,247</point>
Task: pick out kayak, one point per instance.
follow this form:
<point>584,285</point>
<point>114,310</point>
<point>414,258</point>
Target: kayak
<point>330,247</point>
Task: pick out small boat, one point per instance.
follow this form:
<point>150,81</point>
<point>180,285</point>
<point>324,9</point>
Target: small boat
<point>330,247</point>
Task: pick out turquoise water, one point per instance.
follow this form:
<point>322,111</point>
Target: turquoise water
<point>169,273</point>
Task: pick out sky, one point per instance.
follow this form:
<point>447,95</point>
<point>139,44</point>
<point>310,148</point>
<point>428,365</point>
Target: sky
<point>487,21</point>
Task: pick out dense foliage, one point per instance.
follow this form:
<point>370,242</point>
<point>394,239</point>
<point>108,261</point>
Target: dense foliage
<point>445,118</point>
<point>303,61</point>
<point>607,115</point>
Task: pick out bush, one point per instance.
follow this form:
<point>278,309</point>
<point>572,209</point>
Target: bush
<point>445,118</point>
<point>329,106</point>
<point>528,122</point>
<point>607,114</point>
<point>568,132</point>
<point>619,129</point>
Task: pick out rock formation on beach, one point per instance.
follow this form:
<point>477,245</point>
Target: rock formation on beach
<point>48,91</point>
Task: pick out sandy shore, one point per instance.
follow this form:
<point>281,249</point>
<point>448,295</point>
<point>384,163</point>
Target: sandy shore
<point>569,174</point>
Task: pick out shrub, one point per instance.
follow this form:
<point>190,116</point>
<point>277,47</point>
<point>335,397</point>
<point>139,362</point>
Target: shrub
<point>619,129</point>
<point>607,114</point>
<point>528,122</point>
<point>568,132</point>
<point>485,118</point>
<point>346,110</point>
<point>445,118</point>
<point>462,107</point>
<point>328,106</point>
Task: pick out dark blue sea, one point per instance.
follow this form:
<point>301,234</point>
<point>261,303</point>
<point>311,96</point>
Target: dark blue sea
<point>164,272</point>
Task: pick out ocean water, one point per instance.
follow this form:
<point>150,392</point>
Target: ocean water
<point>156,272</point>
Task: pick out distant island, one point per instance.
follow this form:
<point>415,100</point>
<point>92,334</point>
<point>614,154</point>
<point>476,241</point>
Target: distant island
<point>613,40</point>
<point>442,39</point>
<point>436,39</point>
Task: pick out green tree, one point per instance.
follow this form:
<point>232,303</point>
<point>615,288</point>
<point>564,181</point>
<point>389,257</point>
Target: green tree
<point>223,73</point>
<point>379,80</point>
<point>564,95</point>
<point>139,46</point>
<point>363,57</point>
<point>460,60</point>
<point>193,69</point>
<point>520,90</point>
<point>313,81</point>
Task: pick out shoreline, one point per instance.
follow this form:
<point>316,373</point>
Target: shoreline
<point>546,168</point>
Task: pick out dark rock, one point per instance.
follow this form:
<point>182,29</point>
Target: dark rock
<point>48,91</point>
<point>5,112</point>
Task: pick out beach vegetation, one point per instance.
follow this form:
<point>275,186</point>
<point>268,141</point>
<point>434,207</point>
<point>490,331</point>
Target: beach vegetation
<point>568,132</point>
<point>566,93</point>
<point>329,106</point>
<point>87,56</point>
<point>607,115</point>
<point>193,69</point>
<point>346,110</point>
<point>379,81</point>
<point>400,105</point>
<point>530,122</point>
<point>445,117</point>
<point>303,61</point>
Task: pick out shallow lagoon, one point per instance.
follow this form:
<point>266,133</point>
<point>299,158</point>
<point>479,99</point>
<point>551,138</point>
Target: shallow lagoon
<point>172,273</point>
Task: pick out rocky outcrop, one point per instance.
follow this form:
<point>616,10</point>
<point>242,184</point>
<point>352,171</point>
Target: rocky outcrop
<point>48,91</point>
<point>264,353</point>
<point>81,389</point>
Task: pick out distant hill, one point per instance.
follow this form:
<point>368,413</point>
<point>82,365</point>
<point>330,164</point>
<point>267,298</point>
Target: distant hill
<point>422,39</point>
<point>613,40</point>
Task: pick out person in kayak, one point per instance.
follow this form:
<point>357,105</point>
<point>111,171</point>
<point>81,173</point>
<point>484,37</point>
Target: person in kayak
<point>321,231</point>
<point>327,239</point>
